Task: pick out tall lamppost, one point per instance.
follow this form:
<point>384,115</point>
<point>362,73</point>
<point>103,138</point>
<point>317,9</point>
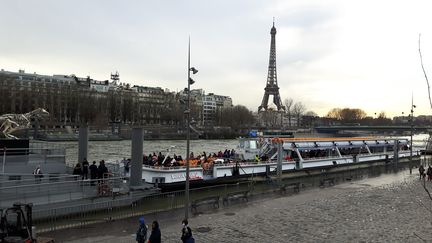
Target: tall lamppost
<point>187,112</point>
<point>412,130</point>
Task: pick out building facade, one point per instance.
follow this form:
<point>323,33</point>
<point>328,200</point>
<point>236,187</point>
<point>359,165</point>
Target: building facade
<point>72,100</point>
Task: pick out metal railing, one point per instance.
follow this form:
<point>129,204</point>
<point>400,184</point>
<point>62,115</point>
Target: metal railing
<point>84,214</point>
<point>30,156</point>
<point>58,189</point>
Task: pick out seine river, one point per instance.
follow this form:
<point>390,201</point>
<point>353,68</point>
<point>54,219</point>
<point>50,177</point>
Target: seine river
<point>115,150</point>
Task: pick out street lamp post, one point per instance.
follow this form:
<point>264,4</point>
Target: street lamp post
<point>187,112</point>
<point>411,133</point>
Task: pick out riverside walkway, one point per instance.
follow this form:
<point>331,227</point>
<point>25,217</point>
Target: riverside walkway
<point>388,208</point>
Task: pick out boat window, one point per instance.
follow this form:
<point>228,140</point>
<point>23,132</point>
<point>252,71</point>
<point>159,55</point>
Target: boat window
<point>403,141</point>
<point>253,144</point>
<point>371,143</point>
<point>308,154</point>
<point>342,143</point>
<point>324,144</point>
<point>358,143</point>
<point>377,149</point>
<point>304,144</point>
<point>242,144</point>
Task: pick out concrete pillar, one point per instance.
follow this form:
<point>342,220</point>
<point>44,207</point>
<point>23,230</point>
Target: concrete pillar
<point>396,151</point>
<point>136,158</point>
<point>279,162</point>
<point>83,138</point>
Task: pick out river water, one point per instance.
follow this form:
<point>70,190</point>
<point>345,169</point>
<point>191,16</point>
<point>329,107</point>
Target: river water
<point>117,150</point>
<point>112,151</point>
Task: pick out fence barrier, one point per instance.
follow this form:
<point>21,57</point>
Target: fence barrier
<point>135,205</point>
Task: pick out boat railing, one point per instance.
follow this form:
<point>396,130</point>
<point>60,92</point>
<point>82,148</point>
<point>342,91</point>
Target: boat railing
<point>328,157</point>
<point>26,151</point>
<point>169,167</point>
<point>49,190</point>
<point>32,155</point>
<point>10,179</point>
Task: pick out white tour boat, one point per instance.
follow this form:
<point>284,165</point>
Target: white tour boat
<point>259,156</point>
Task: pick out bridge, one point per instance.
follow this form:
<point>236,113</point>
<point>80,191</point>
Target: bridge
<point>342,128</point>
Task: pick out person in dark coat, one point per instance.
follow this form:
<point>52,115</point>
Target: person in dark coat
<point>102,170</point>
<point>155,236</point>
<point>186,233</point>
<point>77,170</point>
<point>422,171</point>
<point>141,235</point>
<point>93,172</point>
<point>85,169</point>
<point>429,173</point>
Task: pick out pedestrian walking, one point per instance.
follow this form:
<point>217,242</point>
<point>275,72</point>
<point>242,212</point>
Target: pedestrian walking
<point>141,235</point>
<point>429,173</point>
<point>186,233</point>
<point>155,236</point>
<point>421,171</point>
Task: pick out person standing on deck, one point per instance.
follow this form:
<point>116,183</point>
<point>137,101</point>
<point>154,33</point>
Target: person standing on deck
<point>38,174</point>
<point>93,172</point>
<point>102,170</point>
<point>77,171</point>
<point>85,169</point>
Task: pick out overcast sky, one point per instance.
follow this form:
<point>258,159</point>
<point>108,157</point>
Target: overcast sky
<point>356,54</point>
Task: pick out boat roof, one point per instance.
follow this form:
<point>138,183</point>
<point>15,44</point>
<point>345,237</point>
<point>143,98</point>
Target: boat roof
<point>320,143</point>
<point>332,139</point>
<point>328,139</point>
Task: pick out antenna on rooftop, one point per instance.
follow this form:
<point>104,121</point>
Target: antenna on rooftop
<point>115,77</point>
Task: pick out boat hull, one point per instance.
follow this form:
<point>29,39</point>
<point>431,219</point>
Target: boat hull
<point>291,173</point>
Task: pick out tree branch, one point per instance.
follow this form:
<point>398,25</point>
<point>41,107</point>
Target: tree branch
<point>424,72</point>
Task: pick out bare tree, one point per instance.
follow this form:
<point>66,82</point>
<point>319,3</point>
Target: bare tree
<point>334,113</point>
<point>235,117</point>
<point>382,115</point>
<point>348,114</point>
<point>298,111</point>
<point>424,72</point>
<point>309,118</point>
<point>271,118</point>
<point>311,113</point>
<point>289,109</point>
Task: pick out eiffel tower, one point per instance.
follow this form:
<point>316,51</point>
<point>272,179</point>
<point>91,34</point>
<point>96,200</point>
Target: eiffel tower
<point>272,86</point>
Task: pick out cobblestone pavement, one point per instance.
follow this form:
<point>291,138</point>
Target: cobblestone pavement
<point>389,208</point>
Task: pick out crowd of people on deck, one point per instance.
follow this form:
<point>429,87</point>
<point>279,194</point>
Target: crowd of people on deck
<point>83,169</point>
<point>177,160</point>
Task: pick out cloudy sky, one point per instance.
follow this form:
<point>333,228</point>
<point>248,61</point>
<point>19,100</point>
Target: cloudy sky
<point>357,54</point>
